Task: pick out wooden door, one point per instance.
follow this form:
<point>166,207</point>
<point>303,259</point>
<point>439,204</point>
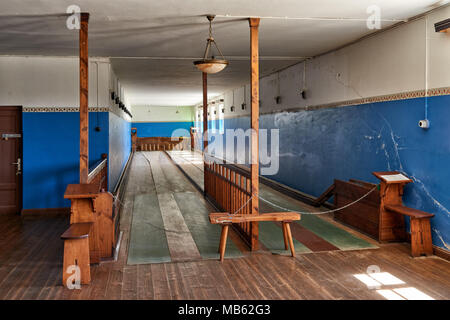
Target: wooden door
<point>10,160</point>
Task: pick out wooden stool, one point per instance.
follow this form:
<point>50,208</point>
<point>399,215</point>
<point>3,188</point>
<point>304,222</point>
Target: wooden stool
<point>225,220</point>
<point>76,251</point>
<point>421,242</point>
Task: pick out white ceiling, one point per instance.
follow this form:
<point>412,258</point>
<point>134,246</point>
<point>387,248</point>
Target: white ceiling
<point>171,33</point>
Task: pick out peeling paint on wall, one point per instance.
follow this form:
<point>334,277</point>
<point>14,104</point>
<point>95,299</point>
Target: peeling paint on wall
<point>319,146</point>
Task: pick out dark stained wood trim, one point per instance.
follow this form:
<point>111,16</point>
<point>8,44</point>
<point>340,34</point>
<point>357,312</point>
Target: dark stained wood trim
<point>325,196</point>
<point>293,193</point>
<point>441,253</point>
<point>84,94</point>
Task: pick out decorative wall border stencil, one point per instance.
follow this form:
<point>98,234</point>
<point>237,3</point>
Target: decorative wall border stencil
<point>63,109</point>
<point>390,97</point>
<point>346,103</point>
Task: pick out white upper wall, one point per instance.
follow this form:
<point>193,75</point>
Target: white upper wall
<point>390,62</point>
<point>51,81</point>
<point>162,114</point>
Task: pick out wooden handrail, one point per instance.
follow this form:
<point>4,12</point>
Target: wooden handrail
<point>241,169</point>
<point>125,168</point>
<point>98,168</point>
<point>162,143</point>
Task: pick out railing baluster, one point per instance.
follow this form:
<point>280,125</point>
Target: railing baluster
<point>230,189</point>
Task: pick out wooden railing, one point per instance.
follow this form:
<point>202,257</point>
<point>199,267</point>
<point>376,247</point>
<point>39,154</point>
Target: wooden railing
<point>228,188</point>
<point>119,193</point>
<point>99,174</point>
<point>162,143</point>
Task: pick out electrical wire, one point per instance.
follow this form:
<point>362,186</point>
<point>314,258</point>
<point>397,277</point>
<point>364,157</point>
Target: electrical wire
<point>322,212</point>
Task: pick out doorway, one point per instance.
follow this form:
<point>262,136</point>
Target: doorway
<point>11,159</point>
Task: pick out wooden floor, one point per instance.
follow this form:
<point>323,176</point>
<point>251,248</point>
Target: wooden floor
<point>31,263</point>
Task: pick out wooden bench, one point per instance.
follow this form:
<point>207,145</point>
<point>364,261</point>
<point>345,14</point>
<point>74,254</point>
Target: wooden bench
<point>76,251</point>
<point>225,219</point>
<point>421,243</point>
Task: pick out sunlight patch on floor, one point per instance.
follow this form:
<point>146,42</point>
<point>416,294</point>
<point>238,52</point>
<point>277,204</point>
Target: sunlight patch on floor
<point>377,280</point>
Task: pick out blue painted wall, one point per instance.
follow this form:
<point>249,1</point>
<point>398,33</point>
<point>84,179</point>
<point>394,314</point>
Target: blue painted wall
<point>51,154</point>
<point>160,129</point>
<point>119,147</point>
<point>351,142</point>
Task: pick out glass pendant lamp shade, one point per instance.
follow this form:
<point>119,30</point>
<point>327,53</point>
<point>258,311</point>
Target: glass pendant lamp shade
<point>211,65</point>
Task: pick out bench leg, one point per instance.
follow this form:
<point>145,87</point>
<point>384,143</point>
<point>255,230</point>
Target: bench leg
<point>285,237</point>
<point>289,236</point>
<point>223,241</point>
<point>76,253</point>
<point>420,237</point>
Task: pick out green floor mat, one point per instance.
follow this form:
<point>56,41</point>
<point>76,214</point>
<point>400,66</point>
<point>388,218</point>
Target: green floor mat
<point>326,230</point>
<point>271,236</point>
<point>206,235</point>
<point>148,242</point>
<point>333,234</point>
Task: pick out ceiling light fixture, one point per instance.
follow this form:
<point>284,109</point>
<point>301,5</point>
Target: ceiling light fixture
<point>211,65</point>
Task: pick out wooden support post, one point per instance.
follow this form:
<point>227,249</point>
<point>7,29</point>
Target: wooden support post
<point>254,114</point>
<point>205,126</point>
<point>84,87</point>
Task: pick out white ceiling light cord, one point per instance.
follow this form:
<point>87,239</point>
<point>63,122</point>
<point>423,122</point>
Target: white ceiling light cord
<point>426,68</point>
<point>304,75</point>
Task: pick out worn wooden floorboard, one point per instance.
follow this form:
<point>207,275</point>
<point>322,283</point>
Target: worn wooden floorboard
<point>31,262</point>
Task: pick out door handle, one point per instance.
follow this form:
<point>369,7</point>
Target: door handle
<point>18,166</point>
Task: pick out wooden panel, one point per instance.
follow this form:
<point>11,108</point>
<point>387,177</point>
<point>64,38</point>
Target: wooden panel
<point>392,225</point>
<point>76,252</point>
<point>421,243</point>
<point>104,226</point>
<point>364,215</point>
